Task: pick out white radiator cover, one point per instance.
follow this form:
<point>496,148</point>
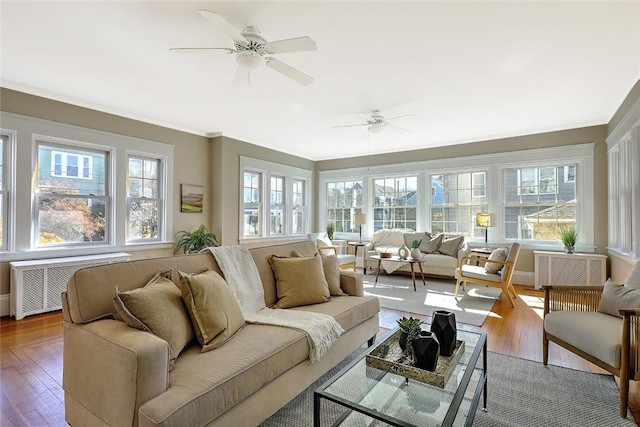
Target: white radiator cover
<point>36,286</point>
<point>559,268</point>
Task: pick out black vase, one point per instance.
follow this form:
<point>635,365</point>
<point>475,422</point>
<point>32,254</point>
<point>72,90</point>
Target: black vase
<point>426,350</point>
<point>402,340</point>
<point>443,325</point>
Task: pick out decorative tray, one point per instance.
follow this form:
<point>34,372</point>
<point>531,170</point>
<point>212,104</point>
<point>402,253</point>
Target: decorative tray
<point>388,356</point>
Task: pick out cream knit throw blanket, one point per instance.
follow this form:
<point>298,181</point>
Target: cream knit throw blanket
<point>393,239</point>
<point>241,273</point>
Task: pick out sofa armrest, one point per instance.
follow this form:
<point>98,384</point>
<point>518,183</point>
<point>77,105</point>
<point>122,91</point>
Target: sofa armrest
<point>573,298</point>
<point>351,283</point>
<point>108,358</point>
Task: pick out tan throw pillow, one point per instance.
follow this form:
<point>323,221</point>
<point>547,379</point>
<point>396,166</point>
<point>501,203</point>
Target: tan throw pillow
<point>615,297</point>
<point>451,246</point>
<point>214,311</point>
<point>331,272</point>
<point>325,242</point>
<point>633,279</point>
<point>430,246</point>
<point>157,308</point>
<point>499,254</point>
<point>299,281</point>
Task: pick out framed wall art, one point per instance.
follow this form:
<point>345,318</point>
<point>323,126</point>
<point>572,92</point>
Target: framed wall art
<point>191,198</point>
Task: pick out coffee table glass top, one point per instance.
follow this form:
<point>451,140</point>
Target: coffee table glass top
<point>370,392</point>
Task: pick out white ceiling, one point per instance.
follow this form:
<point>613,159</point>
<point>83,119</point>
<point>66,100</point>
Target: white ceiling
<point>469,71</point>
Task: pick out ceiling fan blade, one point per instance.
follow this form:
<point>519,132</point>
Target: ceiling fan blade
<point>400,117</point>
<point>201,49</point>
<point>222,24</point>
<point>399,129</point>
<point>242,78</point>
<point>299,44</point>
<point>289,71</point>
<point>350,126</point>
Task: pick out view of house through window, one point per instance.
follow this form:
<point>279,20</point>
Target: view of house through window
<point>455,200</point>
<point>252,200</point>
<point>143,199</point>
<point>344,198</point>
<point>298,206</point>
<point>71,200</point>
<point>276,190</point>
<point>539,201</point>
<point>395,202</point>
<point>3,190</point>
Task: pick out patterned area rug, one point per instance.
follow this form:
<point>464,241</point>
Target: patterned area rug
<point>396,292</point>
<point>521,393</point>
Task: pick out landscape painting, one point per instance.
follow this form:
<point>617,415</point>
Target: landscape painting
<point>191,198</point>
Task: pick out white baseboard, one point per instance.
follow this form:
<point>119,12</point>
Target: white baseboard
<point>5,305</point>
<point>526,278</point>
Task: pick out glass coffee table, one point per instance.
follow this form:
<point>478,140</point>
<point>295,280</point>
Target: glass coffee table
<point>362,394</point>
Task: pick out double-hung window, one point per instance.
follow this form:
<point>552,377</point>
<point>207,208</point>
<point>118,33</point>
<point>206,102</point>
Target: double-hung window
<point>252,200</point>
<point>299,206</point>
<point>344,199</point>
<point>144,203</point>
<point>539,201</point>
<point>276,190</point>
<point>4,194</point>
<point>395,202</point>
<point>455,200</point>
<point>71,200</point>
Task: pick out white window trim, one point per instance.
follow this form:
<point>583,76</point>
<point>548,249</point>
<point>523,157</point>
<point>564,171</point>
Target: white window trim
<point>30,129</point>
<point>267,169</point>
<point>8,214</point>
<point>581,154</point>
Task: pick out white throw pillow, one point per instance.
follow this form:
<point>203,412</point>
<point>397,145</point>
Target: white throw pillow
<point>633,279</point>
<point>326,243</point>
<point>499,254</point>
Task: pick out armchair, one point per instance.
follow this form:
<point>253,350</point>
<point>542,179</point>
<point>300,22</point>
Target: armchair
<point>572,321</point>
<point>326,247</point>
<point>478,274</point>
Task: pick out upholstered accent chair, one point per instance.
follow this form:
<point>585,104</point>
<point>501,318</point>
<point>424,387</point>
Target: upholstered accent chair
<point>598,323</point>
<point>498,276</point>
<point>326,247</point>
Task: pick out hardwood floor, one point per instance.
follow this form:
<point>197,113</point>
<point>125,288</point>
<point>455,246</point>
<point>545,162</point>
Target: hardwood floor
<point>31,356</point>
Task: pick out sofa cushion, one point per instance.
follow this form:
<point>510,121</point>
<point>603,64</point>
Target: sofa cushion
<point>615,297</point>
<point>597,334</point>
<point>348,311</point>
<point>451,246</point>
<point>478,272</point>
<point>299,281</point>
<point>157,308</point>
<point>431,245</point>
<point>331,272</point>
<point>499,254</point>
<point>633,279</point>
<point>410,237</point>
<point>214,311</point>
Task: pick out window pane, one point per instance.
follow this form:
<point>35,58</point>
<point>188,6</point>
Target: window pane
<point>344,199</point>
<point>251,221</point>
<point>135,187</point>
<point>396,200</point>
<point>143,219</point>
<point>455,199</point>
<point>72,165</point>
<point>135,167</point>
<point>58,171</point>
<point>1,220</point>
<point>71,220</point>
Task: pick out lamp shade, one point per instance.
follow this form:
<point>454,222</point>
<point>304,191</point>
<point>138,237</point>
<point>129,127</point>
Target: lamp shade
<point>485,220</point>
<point>359,219</point>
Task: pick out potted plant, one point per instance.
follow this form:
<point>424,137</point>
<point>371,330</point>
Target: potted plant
<point>415,251</point>
<point>331,228</point>
<point>569,237</point>
<point>195,241</point>
<point>409,330</point>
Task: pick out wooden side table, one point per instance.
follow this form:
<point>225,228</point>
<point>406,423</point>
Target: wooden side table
<point>355,246</point>
<point>481,253</point>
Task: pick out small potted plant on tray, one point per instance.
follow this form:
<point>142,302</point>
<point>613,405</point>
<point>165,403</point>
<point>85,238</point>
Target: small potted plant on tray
<point>569,237</point>
<point>409,330</point>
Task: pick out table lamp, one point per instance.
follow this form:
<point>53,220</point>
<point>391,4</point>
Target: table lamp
<point>359,219</point>
<point>485,220</point>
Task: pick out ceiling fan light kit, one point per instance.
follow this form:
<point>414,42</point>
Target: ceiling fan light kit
<point>251,50</point>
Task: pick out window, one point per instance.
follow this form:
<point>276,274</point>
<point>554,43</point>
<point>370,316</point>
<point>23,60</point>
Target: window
<point>344,198</point>
<point>536,204</point>
<point>71,165</point>
<point>276,190</point>
<point>252,203</point>
<point>395,202</point>
<point>299,208</point>
<point>455,200</point>
<point>4,173</point>
<point>70,211</point>
<point>143,199</point>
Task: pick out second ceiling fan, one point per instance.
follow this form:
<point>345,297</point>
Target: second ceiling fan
<point>377,123</point>
<point>252,50</point>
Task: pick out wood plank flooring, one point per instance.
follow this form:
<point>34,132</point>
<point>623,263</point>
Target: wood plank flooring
<point>31,356</point>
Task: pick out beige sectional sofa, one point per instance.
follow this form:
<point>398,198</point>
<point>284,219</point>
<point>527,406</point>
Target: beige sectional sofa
<point>119,376</point>
<point>438,263</point>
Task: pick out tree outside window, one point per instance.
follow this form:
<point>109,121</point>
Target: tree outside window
<point>252,203</point>
<point>143,199</point>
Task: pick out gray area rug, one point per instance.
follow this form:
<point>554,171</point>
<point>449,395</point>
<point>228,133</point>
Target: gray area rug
<point>521,393</point>
<point>395,291</point>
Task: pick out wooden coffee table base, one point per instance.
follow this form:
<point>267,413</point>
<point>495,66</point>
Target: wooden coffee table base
<point>411,261</point>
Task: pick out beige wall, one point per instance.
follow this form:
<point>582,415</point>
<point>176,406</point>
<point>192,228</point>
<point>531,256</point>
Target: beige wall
<point>596,134</point>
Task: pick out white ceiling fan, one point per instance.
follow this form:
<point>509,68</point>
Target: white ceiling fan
<point>377,123</point>
<point>252,50</point>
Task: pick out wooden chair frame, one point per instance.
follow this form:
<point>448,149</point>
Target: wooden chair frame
<point>335,252</point>
<point>587,298</point>
<point>505,284</point>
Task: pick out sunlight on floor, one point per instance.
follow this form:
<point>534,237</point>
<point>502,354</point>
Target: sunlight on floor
<point>536,303</point>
